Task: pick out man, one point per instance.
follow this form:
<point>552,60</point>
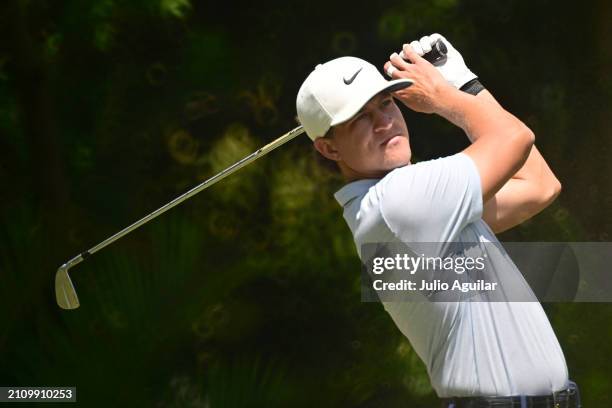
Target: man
<point>477,354</point>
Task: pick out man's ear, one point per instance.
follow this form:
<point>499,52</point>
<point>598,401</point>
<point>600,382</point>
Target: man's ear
<point>327,148</point>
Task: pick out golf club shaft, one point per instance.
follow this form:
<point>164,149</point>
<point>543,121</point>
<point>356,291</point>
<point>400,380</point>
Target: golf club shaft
<point>209,182</point>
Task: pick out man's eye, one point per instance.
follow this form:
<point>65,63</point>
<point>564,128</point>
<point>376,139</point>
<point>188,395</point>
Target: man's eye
<point>387,102</point>
<point>359,117</point>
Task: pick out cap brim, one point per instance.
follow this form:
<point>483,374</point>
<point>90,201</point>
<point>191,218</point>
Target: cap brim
<point>390,86</point>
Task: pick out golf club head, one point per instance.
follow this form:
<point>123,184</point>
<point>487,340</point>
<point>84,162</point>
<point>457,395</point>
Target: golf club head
<point>65,295</point>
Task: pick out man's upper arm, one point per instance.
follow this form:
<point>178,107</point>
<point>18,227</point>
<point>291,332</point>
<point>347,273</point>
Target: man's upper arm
<point>494,165</point>
<point>532,189</point>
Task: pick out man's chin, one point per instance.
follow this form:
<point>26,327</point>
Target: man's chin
<point>398,162</point>
<point>398,154</point>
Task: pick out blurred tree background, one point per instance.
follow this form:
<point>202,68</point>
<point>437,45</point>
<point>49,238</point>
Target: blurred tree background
<point>248,294</point>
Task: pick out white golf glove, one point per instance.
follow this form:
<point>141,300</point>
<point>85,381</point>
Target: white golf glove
<point>454,69</point>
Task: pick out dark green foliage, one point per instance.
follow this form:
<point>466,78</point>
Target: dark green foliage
<point>248,294</point>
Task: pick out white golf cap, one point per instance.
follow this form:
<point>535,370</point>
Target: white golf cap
<point>335,91</point>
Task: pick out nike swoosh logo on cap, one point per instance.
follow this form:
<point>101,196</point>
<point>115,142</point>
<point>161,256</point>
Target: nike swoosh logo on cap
<point>351,79</point>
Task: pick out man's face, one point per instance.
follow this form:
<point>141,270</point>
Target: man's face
<point>374,142</point>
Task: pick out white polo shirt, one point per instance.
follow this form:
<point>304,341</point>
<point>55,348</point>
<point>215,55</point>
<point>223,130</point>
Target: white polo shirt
<point>469,348</point>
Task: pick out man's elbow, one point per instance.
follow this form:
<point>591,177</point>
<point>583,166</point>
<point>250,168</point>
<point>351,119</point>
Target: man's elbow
<point>529,137</point>
<point>556,189</point>
<point>550,192</point>
<point>526,139</point>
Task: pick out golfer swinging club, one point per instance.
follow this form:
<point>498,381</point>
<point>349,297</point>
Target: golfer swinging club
<point>477,354</point>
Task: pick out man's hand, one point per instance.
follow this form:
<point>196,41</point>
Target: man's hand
<point>454,69</point>
<point>425,94</point>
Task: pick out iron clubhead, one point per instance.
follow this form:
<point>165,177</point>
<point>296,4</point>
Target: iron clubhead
<point>65,295</point>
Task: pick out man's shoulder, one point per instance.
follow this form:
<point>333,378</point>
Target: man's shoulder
<point>431,200</point>
<point>354,190</point>
<point>456,161</point>
<point>360,188</point>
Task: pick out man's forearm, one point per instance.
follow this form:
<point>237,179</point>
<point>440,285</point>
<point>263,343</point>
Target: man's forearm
<point>479,115</point>
<point>487,99</point>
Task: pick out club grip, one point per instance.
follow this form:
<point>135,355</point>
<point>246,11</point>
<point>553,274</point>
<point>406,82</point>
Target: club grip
<point>437,55</point>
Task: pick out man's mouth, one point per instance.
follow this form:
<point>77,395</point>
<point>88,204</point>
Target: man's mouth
<point>390,139</point>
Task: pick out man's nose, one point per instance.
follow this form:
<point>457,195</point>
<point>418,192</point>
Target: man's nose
<point>382,121</point>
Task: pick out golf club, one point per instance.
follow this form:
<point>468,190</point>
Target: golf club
<point>437,55</point>
<point>65,294</point>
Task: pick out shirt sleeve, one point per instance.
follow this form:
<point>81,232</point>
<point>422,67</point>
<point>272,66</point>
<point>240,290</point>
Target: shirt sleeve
<point>431,201</point>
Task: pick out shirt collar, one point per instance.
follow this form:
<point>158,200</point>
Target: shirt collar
<point>352,190</point>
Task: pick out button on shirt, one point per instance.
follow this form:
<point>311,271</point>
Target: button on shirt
<point>469,348</point>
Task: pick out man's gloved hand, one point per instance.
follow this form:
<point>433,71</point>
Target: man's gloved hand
<point>454,69</point>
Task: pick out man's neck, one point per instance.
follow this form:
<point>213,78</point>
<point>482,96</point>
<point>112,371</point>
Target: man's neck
<point>351,175</point>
